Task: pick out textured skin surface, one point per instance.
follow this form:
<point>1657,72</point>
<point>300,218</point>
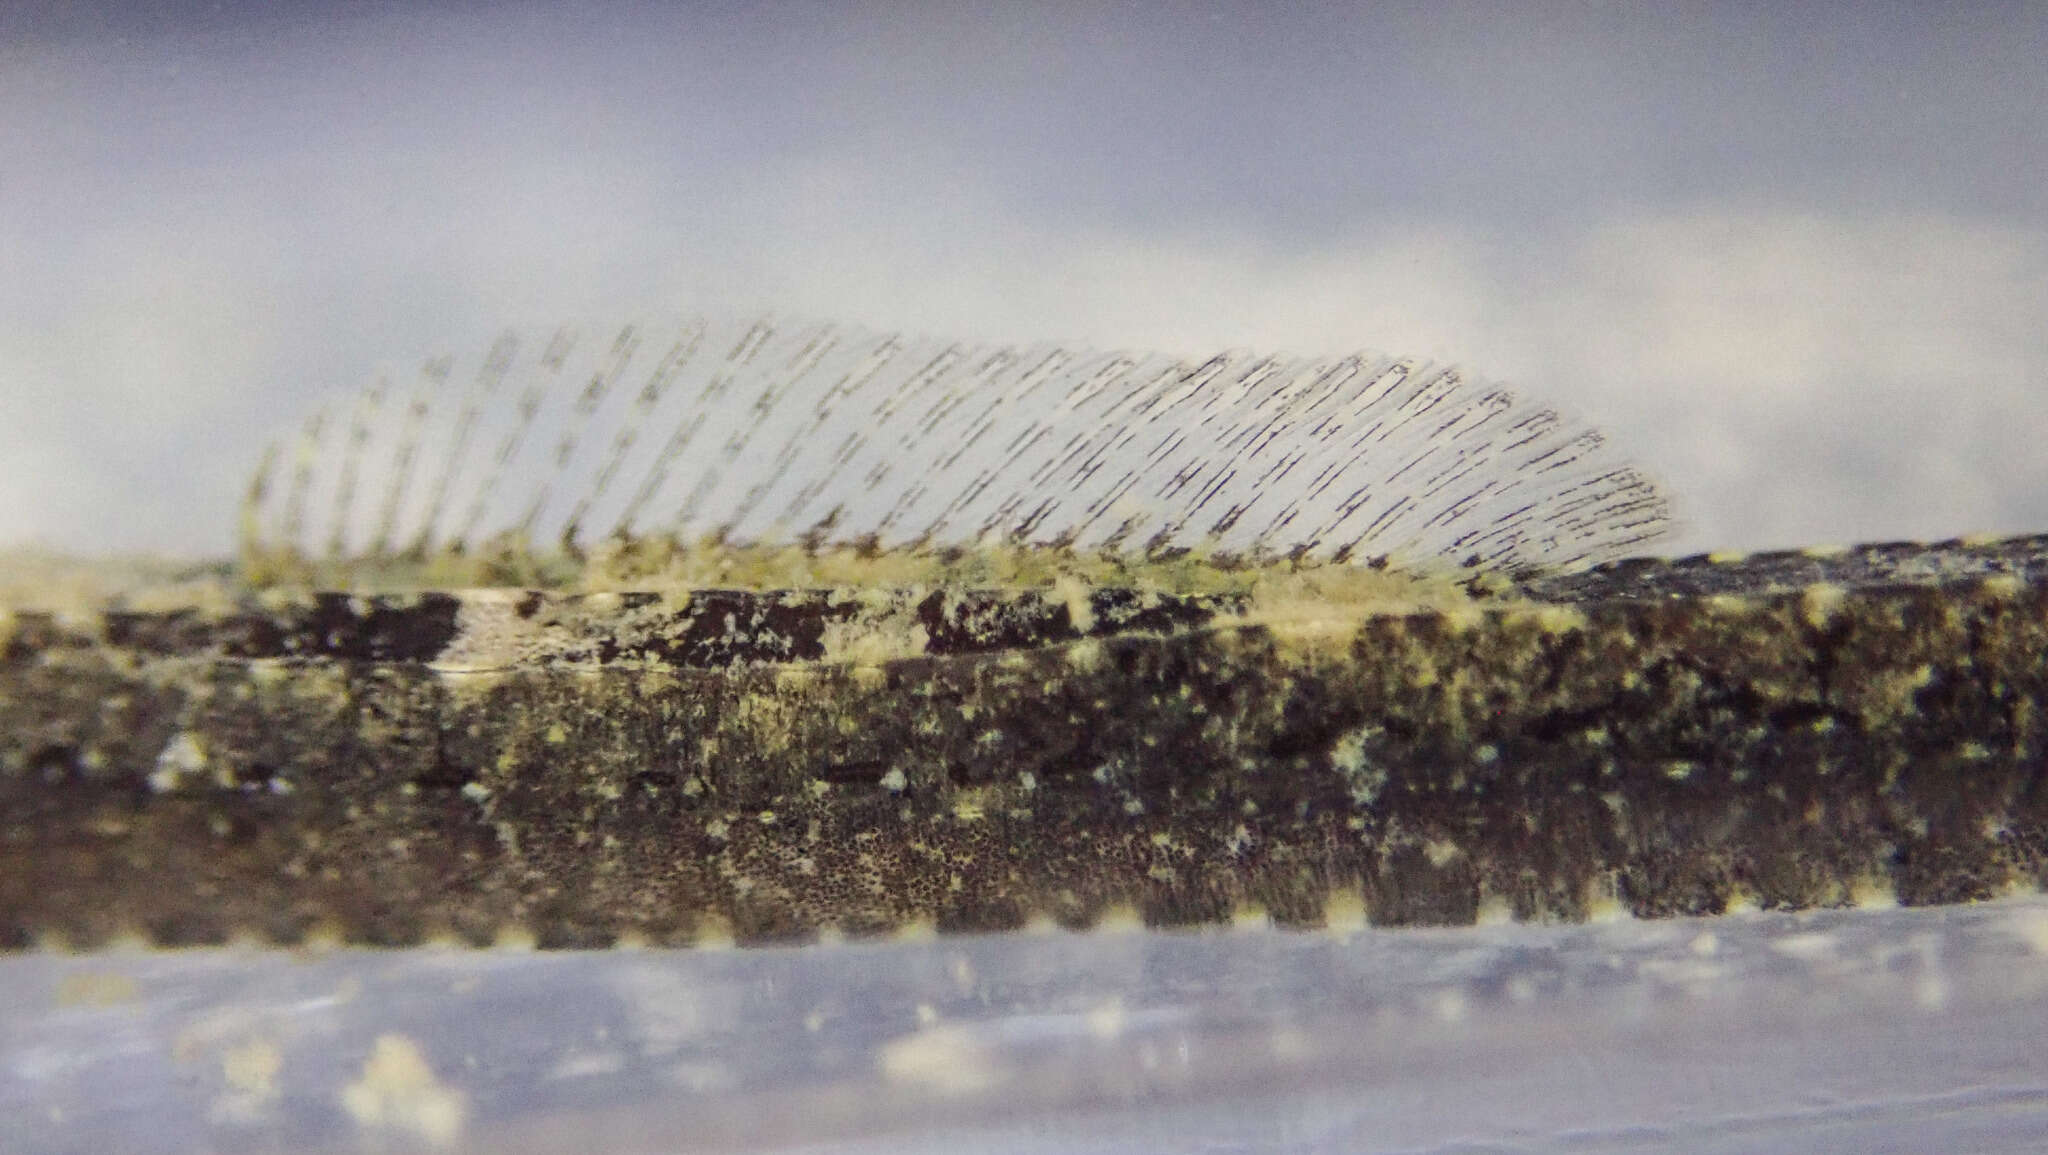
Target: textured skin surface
<point>737,765</point>
<point>1887,563</point>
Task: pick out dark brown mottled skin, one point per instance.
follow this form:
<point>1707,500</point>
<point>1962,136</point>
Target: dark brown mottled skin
<point>1673,738</point>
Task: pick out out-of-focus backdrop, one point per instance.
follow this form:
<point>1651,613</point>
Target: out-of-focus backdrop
<point>1797,259</point>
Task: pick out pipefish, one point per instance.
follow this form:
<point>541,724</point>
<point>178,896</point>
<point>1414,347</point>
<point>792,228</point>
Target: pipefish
<point>761,632</point>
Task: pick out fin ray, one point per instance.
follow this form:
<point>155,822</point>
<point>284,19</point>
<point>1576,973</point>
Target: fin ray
<point>767,433</point>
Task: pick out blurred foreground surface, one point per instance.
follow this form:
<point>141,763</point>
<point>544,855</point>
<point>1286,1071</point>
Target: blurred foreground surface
<point>1906,1029</point>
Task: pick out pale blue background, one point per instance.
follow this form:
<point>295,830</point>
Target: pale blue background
<point>1797,259</point>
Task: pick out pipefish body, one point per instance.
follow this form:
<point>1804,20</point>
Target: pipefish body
<point>758,632</point>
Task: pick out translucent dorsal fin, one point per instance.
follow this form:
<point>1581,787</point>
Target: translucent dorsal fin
<point>769,433</point>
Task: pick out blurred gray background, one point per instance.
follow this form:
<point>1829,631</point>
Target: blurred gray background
<point>1797,259</point>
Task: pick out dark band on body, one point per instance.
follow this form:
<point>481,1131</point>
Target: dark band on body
<point>709,629</point>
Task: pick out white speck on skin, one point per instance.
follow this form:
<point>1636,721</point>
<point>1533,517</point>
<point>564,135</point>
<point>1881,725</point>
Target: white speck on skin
<point>181,756</point>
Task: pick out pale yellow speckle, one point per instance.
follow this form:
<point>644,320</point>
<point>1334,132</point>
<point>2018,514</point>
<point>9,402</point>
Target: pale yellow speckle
<point>322,938</point>
<point>1240,838</point>
<point>916,930</point>
<point>1344,910</point>
<point>1080,608</point>
<point>1347,753</point>
<point>1820,602</point>
<point>1120,919</point>
<point>181,756</point>
<point>883,634</point>
<point>713,934</point>
<point>1462,619</point>
<point>1085,657</point>
<point>398,1091</point>
<point>2003,585</point>
<point>1494,911</point>
<point>1441,852</point>
<point>1604,905</point>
